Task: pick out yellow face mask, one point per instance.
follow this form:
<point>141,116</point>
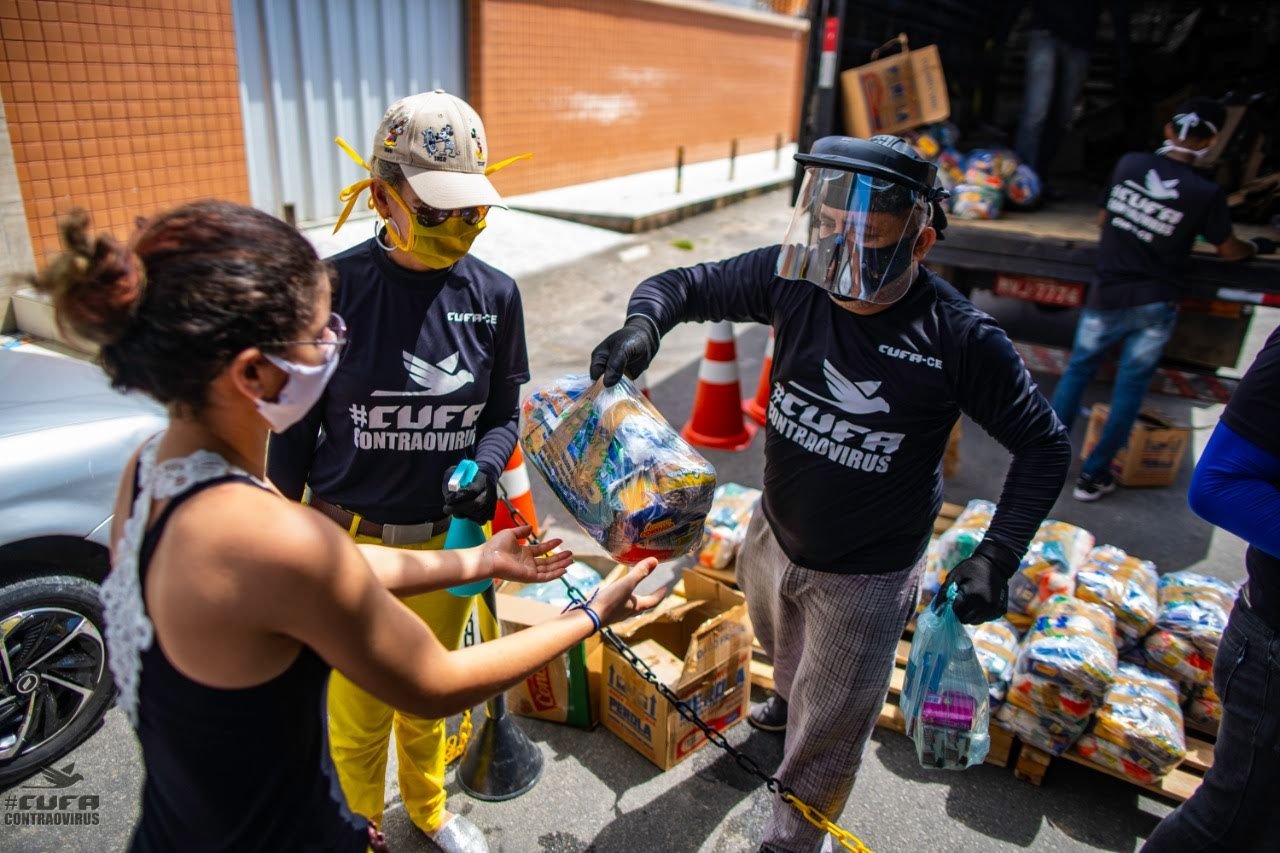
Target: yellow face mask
<point>438,246</point>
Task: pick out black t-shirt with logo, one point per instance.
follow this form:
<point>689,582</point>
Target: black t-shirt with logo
<point>861,409</point>
<point>1254,414</point>
<point>1155,208</point>
<point>432,375</point>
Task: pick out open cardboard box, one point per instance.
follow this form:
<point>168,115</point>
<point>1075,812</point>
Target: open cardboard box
<point>701,649</point>
<point>566,690</point>
<point>1154,453</point>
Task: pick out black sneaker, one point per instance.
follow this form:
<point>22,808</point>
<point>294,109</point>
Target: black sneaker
<point>770,715</point>
<point>1091,488</point>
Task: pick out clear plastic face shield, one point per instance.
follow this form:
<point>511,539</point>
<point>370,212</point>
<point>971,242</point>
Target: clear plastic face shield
<point>854,235</point>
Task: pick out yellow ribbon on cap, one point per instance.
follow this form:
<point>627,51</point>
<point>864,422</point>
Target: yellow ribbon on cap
<point>351,193</point>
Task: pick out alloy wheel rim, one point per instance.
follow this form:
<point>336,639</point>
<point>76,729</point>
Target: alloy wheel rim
<point>52,660</point>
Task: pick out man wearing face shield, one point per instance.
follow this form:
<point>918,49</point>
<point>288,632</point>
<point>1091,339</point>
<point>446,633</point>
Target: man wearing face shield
<point>875,359</point>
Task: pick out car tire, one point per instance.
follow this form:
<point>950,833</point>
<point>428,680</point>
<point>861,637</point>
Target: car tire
<point>63,696</point>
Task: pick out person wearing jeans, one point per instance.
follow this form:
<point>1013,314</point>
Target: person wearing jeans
<point>1235,487</point>
<point>1141,333</point>
<point>1060,39</point>
<point>1152,212</point>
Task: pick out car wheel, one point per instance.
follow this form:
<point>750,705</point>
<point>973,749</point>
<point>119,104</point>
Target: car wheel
<point>54,682</point>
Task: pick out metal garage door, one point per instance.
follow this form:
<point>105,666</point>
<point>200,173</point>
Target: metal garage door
<point>314,69</point>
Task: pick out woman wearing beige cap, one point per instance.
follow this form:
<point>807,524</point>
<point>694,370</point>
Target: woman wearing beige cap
<point>227,606</point>
<point>432,377</point>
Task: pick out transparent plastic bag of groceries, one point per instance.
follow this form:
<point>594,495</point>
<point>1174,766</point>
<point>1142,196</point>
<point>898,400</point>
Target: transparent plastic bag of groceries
<point>944,698</point>
<point>628,479</point>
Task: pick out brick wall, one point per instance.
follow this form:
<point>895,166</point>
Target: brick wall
<point>124,107</point>
<point>599,88</point>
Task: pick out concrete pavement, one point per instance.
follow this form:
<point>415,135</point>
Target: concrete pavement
<point>598,794</point>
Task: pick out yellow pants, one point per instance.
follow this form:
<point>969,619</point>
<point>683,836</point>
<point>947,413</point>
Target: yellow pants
<point>360,725</point>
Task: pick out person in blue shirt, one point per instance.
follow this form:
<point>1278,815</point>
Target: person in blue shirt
<point>875,359</point>
<point>1236,486</point>
<point>432,377</point>
<point>1153,210</point>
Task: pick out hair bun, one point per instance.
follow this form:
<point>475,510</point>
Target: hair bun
<point>96,284</point>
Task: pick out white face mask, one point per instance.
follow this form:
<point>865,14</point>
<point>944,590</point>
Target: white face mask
<point>302,388</point>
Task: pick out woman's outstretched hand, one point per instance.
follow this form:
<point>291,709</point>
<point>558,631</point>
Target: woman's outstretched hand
<point>504,558</point>
<point>619,601</point>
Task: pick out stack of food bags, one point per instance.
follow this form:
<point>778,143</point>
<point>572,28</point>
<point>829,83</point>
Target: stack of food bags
<point>627,478</point>
<point>1126,586</point>
<point>957,543</point>
<point>726,524</point>
<point>996,644</point>
<point>1065,667</point>
<point>1047,569</point>
<point>1138,730</point>
<point>1193,614</point>
<point>1204,709</point>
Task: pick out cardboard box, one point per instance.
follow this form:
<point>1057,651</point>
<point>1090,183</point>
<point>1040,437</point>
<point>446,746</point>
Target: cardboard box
<point>701,649</point>
<point>895,94</point>
<point>1155,451</point>
<point>566,690</point>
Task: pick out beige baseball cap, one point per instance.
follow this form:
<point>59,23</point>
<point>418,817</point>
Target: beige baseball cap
<point>439,142</point>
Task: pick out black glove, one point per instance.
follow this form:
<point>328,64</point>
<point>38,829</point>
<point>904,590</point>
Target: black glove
<point>1263,245</point>
<point>475,501</point>
<point>982,583</point>
<point>628,350</point>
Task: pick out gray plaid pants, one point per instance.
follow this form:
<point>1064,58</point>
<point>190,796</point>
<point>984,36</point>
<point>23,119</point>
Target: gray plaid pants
<point>832,639</point>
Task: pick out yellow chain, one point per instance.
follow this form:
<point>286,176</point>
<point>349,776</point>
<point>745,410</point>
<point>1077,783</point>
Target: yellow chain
<point>455,745</point>
<point>847,839</point>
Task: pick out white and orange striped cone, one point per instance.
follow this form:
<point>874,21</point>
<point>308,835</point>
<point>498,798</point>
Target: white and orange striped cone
<point>515,484</point>
<point>717,422</point>
<point>757,408</point>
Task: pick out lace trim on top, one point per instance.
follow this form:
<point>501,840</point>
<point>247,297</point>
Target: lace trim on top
<point>129,631</point>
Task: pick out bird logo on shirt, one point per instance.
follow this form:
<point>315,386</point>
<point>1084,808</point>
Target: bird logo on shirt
<point>1156,187</point>
<point>435,380</point>
<point>856,398</point>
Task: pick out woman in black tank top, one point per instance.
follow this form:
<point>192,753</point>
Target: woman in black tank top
<point>227,605</point>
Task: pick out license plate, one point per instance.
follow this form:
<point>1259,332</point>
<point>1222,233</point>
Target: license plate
<point>1046,291</point>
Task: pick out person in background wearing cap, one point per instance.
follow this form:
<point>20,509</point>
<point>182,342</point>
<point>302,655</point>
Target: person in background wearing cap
<point>1236,485</point>
<point>432,377</point>
<point>875,359</point>
<point>1155,206</point>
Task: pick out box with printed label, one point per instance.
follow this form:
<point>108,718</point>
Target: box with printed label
<point>567,689</point>
<point>701,650</point>
<point>1155,451</point>
<point>895,94</point>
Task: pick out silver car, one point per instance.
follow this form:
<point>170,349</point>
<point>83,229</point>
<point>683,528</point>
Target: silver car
<point>65,437</point>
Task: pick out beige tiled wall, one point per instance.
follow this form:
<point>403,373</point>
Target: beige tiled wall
<point>124,107</point>
<point>598,88</point>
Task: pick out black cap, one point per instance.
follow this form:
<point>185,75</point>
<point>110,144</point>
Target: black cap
<point>1199,118</point>
<point>884,156</point>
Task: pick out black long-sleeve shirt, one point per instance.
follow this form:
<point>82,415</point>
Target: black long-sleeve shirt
<point>861,408</point>
<point>431,376</point>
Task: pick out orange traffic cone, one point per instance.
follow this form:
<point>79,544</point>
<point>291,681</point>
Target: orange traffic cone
<point>717,421</point>
<point>758,408</point>
<point>515,483</point>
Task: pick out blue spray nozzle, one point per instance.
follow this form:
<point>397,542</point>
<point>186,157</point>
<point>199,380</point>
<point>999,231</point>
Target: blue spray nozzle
<point>463,474</point>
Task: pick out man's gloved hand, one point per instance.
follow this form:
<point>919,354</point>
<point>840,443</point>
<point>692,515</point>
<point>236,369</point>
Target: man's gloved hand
<point>628,350</point>
<point>1263,245</point>
<point>475,501</point>
<point>982,583</point>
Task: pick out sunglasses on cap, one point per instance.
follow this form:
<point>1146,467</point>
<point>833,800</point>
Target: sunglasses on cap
<point>430,217</point>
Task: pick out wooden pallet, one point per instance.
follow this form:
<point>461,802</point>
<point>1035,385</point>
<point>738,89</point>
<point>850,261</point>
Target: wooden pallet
<point>1178,785</point>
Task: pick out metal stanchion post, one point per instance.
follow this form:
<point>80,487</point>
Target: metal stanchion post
<point>501,763</point>
<point>777,152</point>
<point>679,167</point>
<point>733,156</point>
